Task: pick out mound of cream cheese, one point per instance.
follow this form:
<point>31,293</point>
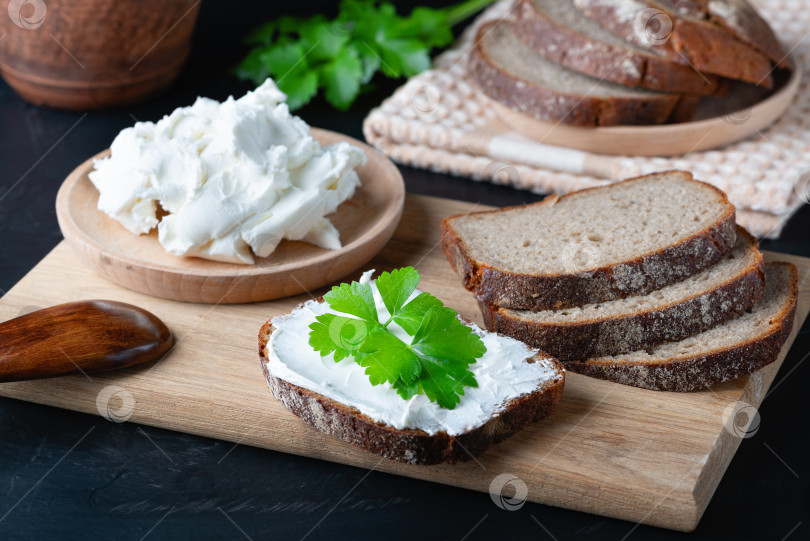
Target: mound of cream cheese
<point>232,179</point>
<point>503,374</point>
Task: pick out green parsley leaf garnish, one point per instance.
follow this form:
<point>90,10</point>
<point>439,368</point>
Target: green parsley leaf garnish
<point>387,358</point>
<point>435,362</point>
<point>356,299</point>
<point>410,316</point>
<point>395,287</point>
<point>338,334</point>
<point>341,55</point>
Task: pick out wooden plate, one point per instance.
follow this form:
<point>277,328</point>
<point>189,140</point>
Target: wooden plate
<point>366,222</point>
<point>719,122</point>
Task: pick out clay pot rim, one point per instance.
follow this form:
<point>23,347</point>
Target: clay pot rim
<point>114,81</point>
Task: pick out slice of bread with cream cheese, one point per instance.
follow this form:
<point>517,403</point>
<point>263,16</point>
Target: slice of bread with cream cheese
<point>516,385</point>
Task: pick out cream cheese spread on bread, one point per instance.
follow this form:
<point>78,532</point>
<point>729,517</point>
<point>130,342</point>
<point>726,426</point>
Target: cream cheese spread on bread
<point>503,374</point>
<point>235,178</point>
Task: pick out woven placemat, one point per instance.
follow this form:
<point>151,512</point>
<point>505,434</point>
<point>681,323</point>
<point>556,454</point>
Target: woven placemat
<point>433,120</point>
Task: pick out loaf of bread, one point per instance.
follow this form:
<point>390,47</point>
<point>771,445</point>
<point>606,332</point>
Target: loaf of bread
<point>511,72</point>
<point>557,30</point>
<point>681,38</point>
<point>737,17</point>
<point>622,62</point>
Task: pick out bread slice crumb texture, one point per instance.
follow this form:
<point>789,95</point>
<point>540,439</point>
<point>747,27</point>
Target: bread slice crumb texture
<point>560,32</point>
<point>564,12</point>
<point>512,73</point>
<point>672,313</point>
<point>505,49</point>
<point>725,352</point>
<point>594,228</point>
<point>745,258</point>
<point>762,320</point>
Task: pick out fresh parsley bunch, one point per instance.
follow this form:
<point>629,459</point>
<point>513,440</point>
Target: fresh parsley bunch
<point>435,362</point>
<point>342,55</point>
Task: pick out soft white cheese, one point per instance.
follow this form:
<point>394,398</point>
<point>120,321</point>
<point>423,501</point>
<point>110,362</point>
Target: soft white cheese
<point>235,178</point>
<point>502,374</point>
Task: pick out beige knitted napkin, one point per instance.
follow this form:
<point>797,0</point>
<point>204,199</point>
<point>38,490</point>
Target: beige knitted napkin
<point>438,120</point>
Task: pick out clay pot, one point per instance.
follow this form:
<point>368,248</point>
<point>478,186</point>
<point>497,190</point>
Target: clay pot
<point>92,54</point>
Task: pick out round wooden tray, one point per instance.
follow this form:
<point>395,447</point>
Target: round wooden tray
<point>718,122</point>
<point>366,222</point>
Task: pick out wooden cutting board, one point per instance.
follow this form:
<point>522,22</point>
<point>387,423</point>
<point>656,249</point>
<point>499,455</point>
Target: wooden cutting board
<point>613,450</point>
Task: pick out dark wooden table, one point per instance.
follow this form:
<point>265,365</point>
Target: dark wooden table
<point>66,475</point>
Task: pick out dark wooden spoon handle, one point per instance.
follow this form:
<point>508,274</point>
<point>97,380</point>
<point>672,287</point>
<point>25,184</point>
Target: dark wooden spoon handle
<point>84,336</point>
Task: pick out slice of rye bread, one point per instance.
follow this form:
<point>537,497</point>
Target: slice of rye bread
<point>738,17</point>
<point>681,38</point>
<point>730,350</point>
<point>559,31</point>
<point>698,303</point>
<point>594,245</point>
<point>510,72</point>
<point>412,446</point>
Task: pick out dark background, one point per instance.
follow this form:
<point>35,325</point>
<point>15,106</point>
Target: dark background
<point>124,481</point>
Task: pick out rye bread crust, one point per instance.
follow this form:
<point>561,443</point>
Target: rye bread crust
<point>547,104</point>
<point>689,41</point>
<point>623,334</point>
<point>621,65</point>
<point>411,446</point>
<point>702,371</point>
<point>638,276</point>
<point>744,22</point>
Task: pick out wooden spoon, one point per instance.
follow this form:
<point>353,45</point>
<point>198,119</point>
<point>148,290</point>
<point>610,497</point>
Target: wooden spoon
<point>84,336</point>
